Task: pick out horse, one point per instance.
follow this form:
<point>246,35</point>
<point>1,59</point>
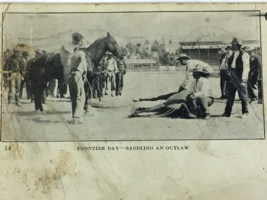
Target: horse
<point>41,70</point>
<point>56,65</point>
<point>94,54</point>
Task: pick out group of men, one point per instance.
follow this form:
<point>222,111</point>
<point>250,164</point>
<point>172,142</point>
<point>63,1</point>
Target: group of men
<point>111,70</point>
<point>16,76</point>
<point>239,71</point>
<point>252,67</point>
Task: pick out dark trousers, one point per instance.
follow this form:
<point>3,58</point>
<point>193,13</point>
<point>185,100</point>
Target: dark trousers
<point>119,82</point>
<point>234,85</point>
<point>223,80</point>
<point>27,83</point>
<point>259,91</point>
<point>252,85</point>
<point>97,86</point>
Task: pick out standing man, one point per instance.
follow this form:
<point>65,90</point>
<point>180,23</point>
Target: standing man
<point>119,75</point>
<point>25,79</point>
<point>255,67</point>
<point>112,70</point>
<point>13,66</point>
<point>238,68</point>
<point>78,70</point>
<point>190,65</point>
<point>223,67</point>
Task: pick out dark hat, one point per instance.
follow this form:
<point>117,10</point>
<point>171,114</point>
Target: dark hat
<point>236,41</point>
<point>76,38</point>
<point>199,69</point>
<point>25,53</point>
<point>183,56</point>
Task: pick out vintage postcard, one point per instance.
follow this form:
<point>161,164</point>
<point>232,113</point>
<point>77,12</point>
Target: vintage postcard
<point>133,101</point>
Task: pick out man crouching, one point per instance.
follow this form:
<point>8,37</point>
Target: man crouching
<point>191,104</point>
<point>200,94</point>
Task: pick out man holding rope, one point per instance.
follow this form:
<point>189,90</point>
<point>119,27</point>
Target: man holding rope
<point>239,68</point>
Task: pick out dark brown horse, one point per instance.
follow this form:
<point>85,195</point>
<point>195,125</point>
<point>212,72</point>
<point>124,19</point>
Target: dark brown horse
<point>48,66</point>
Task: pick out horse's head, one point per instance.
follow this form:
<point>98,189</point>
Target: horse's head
<point>112,46</point>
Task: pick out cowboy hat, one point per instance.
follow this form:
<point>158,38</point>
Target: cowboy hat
<point>199,69</point>
<point>229,47</point>
<point>223,51</point>
<point>16,50</point>
<point>76,38</point>
<point>248,48</point>
<point>183,56</point>
<point>38,51</point>
<point>236,41</point>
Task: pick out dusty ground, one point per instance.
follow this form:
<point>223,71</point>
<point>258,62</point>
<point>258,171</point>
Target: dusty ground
<point>24,124</point>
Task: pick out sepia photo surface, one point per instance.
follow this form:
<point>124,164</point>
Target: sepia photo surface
<point>137,81</point>
<point>133,101</point>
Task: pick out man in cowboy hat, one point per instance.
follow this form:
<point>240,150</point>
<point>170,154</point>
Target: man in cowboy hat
<point>255,68</point>
<point>200,93</point>
<point>223,67</point>
<point>238,70</point>
<point>190,64</point>
<point>14,68</point>
<point>38,52</point>
<point>112,70</point>
<point>120,74</point>
<point>193,103</point>
<point>25,79</point>
<point>78,70</point>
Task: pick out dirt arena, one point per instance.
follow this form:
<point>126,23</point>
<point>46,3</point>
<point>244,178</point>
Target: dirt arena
<point>24,124</point>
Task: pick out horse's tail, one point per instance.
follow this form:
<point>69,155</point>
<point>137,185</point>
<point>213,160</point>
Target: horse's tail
<point>65,61</point>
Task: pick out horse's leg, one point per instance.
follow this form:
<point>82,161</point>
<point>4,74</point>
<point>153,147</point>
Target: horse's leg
<point>88,92</point>
<point>35,87</point>
<point>41,96</point>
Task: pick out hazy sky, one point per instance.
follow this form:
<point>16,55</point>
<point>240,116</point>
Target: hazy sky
<point>50,31</point>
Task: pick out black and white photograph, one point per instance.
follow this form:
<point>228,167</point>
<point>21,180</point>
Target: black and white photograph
<point>132,76</point>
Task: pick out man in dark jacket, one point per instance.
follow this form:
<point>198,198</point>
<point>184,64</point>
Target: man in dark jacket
<point>119,75</point>
<point>255,67</point>
<point>238,70</point>
<point>13,65</point>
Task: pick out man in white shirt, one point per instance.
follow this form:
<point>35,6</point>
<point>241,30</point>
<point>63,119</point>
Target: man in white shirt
<point>78,69</point>
<point>112,70</point>
<point>239,69</point>
<point>200,92</point>
<point>190,65</point>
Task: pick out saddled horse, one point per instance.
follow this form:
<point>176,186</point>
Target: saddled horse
<point>51,65</point>
<point>41,70</point>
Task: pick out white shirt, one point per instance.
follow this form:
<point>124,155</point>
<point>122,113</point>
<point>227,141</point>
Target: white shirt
<point>112,65</point>
<point>245,60</point>
<point>191,65</point>
<point>78,61</point>
<point>201,87</point>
